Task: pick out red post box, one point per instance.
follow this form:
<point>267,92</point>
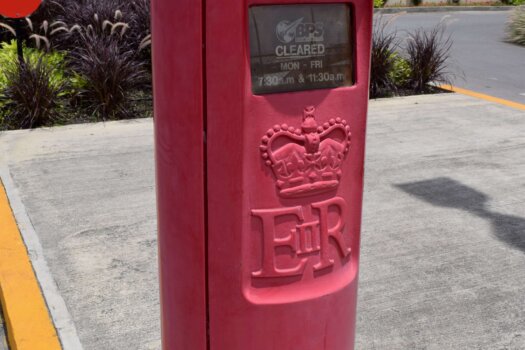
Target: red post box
<point>260,117</point>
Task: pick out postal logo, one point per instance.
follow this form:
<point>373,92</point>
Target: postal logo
<point>299,32</point>
<point>305,161</point>
<point>18,8</point>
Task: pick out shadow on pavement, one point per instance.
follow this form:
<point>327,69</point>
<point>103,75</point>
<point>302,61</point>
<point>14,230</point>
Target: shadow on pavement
<point>449,193</point>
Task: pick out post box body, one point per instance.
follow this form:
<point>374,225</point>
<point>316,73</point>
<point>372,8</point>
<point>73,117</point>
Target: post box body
<point>259,190</point>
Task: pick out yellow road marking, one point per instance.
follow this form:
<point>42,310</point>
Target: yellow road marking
<point>501,101</point>
<point>29,326</point>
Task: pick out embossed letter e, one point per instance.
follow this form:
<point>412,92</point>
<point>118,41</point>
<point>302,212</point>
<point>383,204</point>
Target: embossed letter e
<point>296,238</point>
<point>270,243</point>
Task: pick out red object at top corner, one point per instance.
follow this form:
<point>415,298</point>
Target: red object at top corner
<point>18,8</point>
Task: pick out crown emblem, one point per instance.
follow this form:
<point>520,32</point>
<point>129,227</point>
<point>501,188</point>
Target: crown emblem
<point>307,160</point>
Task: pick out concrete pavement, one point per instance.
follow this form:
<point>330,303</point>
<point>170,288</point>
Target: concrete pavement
<point>89,194</point>
<point>443,242</point>
<point>443,250</point>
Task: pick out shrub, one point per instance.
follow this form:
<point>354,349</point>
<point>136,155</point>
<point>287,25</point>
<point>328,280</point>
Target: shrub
<point>108,45</point>
<point>141,29</point>
<point>384,44</point>
<point>54,60</point>
<point>6,30</point>
<point>400,73</point>
<point>96,15</point>
<point>107,63</point>
<point>516,26</point>
<point>514,2</point>
<point>29,32</point>
<point>31,97</point>
<point>50,9</point>
<point>111,75</point>
<point>427,55</point>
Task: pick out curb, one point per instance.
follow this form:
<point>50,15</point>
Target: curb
<point>53,315</point>
<point>425,9</point>
<point>27,318</point>
<point>475,94</point>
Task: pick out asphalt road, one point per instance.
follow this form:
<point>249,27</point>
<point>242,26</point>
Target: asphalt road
<point>481,60</point>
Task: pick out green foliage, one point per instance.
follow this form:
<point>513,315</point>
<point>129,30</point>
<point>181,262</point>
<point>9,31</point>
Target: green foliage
<point>400,73</point>
<point>97,63</point>
<point>54,60</point>
<point>514,2</point>
<point>412,68</point>
<point>108,45</point>
<point>379,3</point>
<point>516,27</point>
<point>32,94</point>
